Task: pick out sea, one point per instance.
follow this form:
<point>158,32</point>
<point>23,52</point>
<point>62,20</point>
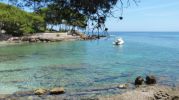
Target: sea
<point>92,67</point>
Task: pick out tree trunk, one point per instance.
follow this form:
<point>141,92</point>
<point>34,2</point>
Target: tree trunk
<point>60,27</point>
<point>0,27</point>
<point>51,28</point>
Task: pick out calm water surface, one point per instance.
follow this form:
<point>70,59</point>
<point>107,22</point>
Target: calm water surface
<point>81,66</point>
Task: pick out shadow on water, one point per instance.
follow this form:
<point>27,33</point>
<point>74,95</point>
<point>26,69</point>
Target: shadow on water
<point>14,70</point>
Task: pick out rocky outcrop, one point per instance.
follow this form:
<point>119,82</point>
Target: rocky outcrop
<point>152,92</point>
<point>44,37</point>
<point>162,95</point>
<point>54,91</point>
<point>139,80</point>
<point>55,37</point>
<point>150,80</point>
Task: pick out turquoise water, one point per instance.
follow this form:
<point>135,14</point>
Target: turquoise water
<point>89,66</point>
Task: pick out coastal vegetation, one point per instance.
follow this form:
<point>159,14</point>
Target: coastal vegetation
<point>56,15</point>
<point>63,18</point>
<point>18,22</point>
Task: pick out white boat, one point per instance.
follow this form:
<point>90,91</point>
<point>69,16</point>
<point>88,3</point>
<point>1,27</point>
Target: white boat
<point>118,41</point>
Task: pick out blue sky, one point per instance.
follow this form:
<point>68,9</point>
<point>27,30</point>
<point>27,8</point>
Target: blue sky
<point>150,15</point>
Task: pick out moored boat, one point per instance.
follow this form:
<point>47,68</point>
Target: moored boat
<point>118,41</point>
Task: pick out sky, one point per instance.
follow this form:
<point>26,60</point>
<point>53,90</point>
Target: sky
<point>149,15</point>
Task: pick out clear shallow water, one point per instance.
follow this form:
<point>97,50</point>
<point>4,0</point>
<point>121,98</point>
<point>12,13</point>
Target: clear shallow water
<point>81,66</point>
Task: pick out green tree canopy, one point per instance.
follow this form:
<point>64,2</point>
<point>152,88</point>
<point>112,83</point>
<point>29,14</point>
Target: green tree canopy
<point>76,13</point>
<point>18,22</point>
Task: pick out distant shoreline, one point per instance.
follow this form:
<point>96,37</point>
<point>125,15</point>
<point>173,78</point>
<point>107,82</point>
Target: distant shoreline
<point>38,38</point>
<point>44,37</point>
<point>49,37</point>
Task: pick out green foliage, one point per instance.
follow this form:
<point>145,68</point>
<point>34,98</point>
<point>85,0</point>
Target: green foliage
<point>18,22</point>
<point>65,14</point>
<point>54,15</point>
<point>95,11</point>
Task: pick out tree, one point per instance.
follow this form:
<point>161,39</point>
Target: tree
<point>95,11</point>
<point>77,13</point>
<point>18,22</point>
<point>62,16</point>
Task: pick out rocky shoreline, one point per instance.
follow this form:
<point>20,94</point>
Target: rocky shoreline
<point>142,90</point>
<point>50,37</point>
<point>44,37</point>
<point>152,92</point>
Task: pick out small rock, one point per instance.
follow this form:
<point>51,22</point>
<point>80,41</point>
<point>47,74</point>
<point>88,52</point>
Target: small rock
<point>139,80</point>
<point>57,90</point>
<point>123,86</point>
<point>175,98</point>
<point>40,91</point>
<point>150,80</point>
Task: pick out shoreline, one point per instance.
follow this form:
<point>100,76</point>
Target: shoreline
<point>143,92</point>
<point>151,92</point>
<point>44,37</point>
<point>49,37</point>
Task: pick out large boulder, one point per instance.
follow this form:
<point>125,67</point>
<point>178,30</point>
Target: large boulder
<point>150,80</point>
<point>139,80</point>
<point>57,90</point>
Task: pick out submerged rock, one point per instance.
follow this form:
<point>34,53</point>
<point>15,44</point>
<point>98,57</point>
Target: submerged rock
<point>139,80</point>
<point>150,80</point>
<point>40,91</point>
<point>57,90</point>
<point>23,93</point>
